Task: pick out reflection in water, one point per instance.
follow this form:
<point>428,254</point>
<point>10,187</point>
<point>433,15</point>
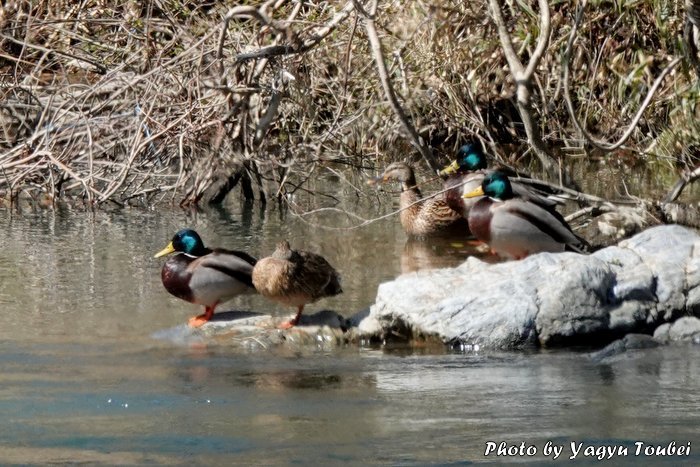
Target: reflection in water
<point>432,253</point>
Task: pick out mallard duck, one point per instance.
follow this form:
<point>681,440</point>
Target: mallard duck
<point>464,174</point>
<point>515,226</point>
<point>418,217</point>
<point>295,278</point>
<point>467,172</point>
<point>203,276</point>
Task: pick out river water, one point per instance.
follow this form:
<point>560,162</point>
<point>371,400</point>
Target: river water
<point>84,380</point>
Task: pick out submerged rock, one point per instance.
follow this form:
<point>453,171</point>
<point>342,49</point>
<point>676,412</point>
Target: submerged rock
<point>548,299</point>
<point>627,343</point>
<point>257,331</point>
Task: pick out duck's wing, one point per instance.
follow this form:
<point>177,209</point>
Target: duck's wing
<point>315,276</point>
<point>530,193</point>
<point>547,221</point>
<point>240,254</point>
<point>222,266</point>
<point>437,212</point>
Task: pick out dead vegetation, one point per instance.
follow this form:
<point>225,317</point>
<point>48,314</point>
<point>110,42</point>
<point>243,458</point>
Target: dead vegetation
<point>144,102</point>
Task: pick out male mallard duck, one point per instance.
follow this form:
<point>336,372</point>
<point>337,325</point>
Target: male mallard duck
<point>295,278</point>
<point>514,225</point>
<point>428,217</point>
<point>204,276</point>
<point>467,172</point>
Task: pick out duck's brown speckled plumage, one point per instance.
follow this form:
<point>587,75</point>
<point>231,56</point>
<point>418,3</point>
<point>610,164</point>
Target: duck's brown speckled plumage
<point>429,217</point>
<point>295,278</point>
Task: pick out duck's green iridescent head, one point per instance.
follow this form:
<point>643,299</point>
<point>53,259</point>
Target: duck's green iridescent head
<point>469,159</point>
<point>495,185</point>
<point>187,241</point>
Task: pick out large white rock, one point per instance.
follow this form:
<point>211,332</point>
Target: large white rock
<point>548,299</point>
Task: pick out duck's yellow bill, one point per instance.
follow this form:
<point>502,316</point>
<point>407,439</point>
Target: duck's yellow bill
<point>450,169</point>
<point>474,193</point>
<point>375,180</point>
<point>165,251</point>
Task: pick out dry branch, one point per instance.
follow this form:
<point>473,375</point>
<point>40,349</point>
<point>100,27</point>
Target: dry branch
<point>139,102</point>
<point>600,144</point>
<point>376,47</point>
<point>523,76</point>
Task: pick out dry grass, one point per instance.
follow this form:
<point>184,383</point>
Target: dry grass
<point>124,103</point>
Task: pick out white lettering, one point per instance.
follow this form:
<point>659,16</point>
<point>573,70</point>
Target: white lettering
<point>575,449</point>
<point>671,449</point>
<point>550,449</point>
<point>557,451</point>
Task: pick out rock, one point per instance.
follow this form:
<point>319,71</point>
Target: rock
<point>661,333</point>
<point>686,329</point>
<point>623,222</point>
<point>627,343</point>
<point>257,331</point>
<point>547,299</point>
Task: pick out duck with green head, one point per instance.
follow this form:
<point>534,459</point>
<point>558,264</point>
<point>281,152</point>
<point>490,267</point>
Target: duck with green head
<point>466,173</point>
<point>204,276</point>
<point>515,226</point>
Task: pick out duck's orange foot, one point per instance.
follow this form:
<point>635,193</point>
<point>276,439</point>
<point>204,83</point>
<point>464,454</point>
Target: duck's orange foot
<point>292,322</point>
<point>287,324</point>
<point>197,321</point>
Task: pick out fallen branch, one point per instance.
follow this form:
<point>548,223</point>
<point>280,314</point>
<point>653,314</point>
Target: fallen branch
<point>686,178</point>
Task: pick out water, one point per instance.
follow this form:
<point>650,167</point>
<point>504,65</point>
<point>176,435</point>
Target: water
<point>82,380</point>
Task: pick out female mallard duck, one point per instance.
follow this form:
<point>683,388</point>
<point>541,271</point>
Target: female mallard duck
<point>203,276</point>
<point>295,278</point>
<point>515,226</point>
<point>419,217</point>
<point>466,173</point>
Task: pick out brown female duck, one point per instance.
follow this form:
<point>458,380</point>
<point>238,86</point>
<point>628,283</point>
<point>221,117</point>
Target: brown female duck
<point>428,217</point>
<point>295,278</point>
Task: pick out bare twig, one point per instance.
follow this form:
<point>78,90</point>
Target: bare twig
<point>300,47</point>
<point>600,144</point>
<point>378,55</point>
<point>523,77</point>
<point>685,179</point>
